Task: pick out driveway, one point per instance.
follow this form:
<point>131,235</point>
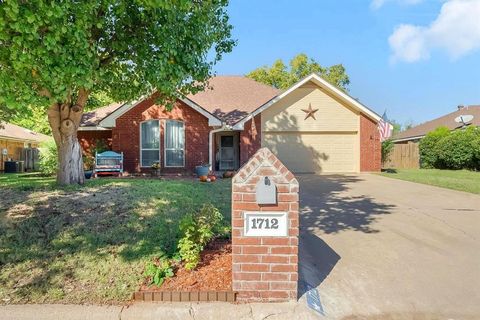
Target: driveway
<point>380,248</point>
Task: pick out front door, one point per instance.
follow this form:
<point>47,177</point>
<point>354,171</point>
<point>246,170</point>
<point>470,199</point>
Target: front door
<point>227,153</point>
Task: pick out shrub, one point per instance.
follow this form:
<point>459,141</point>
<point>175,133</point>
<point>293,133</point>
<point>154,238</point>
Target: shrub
<point>428,148</point>
<point>197,230</point>
<point>458,150</point>
<point>48,157</point>
<point>387,148</point>
<point>476,148</point>
<point>99,146</point>
<point>158,272</point>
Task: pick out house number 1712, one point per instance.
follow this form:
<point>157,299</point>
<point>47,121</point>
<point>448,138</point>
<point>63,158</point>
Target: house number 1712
<point>265,224</point>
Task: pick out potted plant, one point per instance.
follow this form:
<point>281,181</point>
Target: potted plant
<point>202,169</point>
<point>155,169</point>
<point>88,163</point>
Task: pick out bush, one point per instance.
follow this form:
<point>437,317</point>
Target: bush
<point>197,230</point>
<point>476,148</point>
<point>48,157</point>
<point>98,146</point>
<point>428,148</point>
<point>158,272</point>
<point>459,149</point>
<point>387,148</point>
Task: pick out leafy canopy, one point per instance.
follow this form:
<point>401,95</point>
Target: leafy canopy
<point>49,50</point>
<point>282,77</point>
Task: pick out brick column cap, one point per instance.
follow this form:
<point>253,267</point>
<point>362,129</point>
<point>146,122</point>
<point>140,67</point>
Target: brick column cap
<point>264,158</point>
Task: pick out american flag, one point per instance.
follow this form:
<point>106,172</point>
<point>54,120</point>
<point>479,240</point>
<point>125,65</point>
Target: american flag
<point>384,127</point>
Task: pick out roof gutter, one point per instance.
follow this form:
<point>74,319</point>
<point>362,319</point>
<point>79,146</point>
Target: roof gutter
<point>409,138</point>
<point>96,128</point>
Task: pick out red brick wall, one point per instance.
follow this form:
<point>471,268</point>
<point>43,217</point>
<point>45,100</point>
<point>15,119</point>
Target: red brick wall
<point>264,268</point>
<point>370,145</point>
<point>88,139</point>
<point>126,134</point>
<point>250,138</point>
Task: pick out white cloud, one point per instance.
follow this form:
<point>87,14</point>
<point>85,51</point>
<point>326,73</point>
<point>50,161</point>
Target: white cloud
<point>408,44</point>
<point>377,4</point>
<point>456,30</point>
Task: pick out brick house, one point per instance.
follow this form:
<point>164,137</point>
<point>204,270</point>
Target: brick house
<point>312,127</point>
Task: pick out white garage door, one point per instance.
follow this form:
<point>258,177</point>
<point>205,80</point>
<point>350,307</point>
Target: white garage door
<point>315,152</point>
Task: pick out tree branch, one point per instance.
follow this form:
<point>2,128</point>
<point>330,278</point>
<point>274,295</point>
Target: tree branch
<point>54,120</point>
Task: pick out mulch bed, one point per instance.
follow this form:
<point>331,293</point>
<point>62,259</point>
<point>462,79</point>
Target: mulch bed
<point>214,272</point>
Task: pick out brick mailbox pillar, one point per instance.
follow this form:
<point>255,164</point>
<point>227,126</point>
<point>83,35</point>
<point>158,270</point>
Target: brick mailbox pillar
<point>265,230</point>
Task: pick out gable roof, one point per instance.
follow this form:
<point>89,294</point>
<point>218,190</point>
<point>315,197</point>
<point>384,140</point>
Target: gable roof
<point>109,120</point>
<point>93,118</point>
<point>447,120</point>
<point>12,131</point>
<point>315,78</point>
<point>231,98</point>
<point>226,98</point>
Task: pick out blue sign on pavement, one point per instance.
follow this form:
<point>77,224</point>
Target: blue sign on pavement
<point>313,299</point>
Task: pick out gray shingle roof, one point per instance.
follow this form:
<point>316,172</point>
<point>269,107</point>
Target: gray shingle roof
<point>447,120</point>
<point>12,131</point>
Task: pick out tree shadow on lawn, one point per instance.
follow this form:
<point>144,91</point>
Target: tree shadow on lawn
<point>95,236</point>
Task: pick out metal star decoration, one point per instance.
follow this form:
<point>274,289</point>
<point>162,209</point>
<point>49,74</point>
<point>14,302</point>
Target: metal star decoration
<point>310,112</point>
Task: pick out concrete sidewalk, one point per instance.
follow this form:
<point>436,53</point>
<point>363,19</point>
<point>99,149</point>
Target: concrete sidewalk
<point>197,311</point>
<point>160,311</point>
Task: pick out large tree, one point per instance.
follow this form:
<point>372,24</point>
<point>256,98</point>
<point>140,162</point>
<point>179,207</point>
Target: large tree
<point>281,76</point>
<point>56,54</point>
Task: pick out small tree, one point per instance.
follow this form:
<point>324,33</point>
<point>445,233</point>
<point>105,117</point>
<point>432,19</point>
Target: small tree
<point>56,54</point>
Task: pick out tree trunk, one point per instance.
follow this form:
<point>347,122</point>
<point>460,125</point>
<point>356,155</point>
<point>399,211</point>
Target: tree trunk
<point>65,119</point>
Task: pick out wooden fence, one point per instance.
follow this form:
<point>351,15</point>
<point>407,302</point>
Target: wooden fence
<point>404,156</point>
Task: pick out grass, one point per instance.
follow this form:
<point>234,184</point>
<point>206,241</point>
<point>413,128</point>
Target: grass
<point>89,244</point>
<point>462,180</point>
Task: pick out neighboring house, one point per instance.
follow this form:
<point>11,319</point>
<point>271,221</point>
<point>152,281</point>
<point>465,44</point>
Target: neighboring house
<point>14,139</point>
<point>406,152</point>
<point>311,127</point>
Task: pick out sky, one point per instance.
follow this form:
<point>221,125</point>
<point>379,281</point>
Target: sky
<point>416,59</point>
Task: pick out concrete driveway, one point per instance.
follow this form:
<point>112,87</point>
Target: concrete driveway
<point>380,248</point>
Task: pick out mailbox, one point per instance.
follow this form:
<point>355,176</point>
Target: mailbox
<point>266,191</point>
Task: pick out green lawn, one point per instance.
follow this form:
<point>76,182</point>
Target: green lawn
<point>462,180</point>
<point>89,244</point>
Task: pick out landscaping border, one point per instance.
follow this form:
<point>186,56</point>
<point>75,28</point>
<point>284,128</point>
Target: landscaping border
<point>185,296</point>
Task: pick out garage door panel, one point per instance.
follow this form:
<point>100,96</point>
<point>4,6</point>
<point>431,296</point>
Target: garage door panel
<point>314,152</point>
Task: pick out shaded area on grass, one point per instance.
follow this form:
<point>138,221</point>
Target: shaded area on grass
<point>462,180</point>
<point>90,243</point>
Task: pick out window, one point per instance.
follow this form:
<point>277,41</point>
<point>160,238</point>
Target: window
<point>174,144</point>
<point>149,143</point>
